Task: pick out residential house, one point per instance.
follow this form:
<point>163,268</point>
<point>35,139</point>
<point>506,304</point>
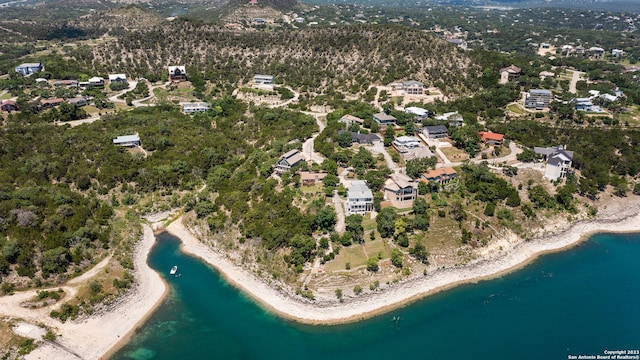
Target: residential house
<point>400,187</point>
<point>350,120</point>
<point>419,113</point>
<point>585,104</point>
<point>127,140</point>
<point>96,81</point>
<point>452,118</point>
<point>558,161</point>
<point>538,99</point>
<point>491,138</point>
<point>50,103</point>
<point>511,72</point>
<point>357,137</point>
<point>368,139</point>
<point>288,161</point>
<point>617,52</point>
<point>258,21</point>
<point>435,131</point>
<point>78,101</point>
<point>359,198</point>
<point>118,78</point>
<point>596,52</point>
<point>461,43</point>
<point>177,73</point>
<point>413,87</point>
<point>194,107</point>
<point>404,143</point>
<point>69,83</point>
<point>546,74</point>
<point>309,179</point>
<point>263,79</point>
<point>29,68</point>
<point>441,176</point>
<point>384,119</point>
<point>8,106</point>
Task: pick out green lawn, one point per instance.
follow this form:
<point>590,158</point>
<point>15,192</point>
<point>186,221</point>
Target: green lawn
<point>516,109</point>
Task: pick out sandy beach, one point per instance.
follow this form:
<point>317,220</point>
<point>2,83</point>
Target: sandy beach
<point>97,336</point>
<point>623,219</point>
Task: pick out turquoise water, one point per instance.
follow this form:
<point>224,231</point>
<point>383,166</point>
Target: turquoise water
<point>578,302</point>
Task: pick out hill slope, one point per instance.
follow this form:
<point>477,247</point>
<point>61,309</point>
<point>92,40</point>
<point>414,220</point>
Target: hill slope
<point>317,60</point>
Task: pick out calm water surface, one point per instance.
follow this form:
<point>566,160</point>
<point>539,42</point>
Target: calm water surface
<point>578,302</point>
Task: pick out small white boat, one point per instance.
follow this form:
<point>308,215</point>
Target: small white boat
<point>173,271</point>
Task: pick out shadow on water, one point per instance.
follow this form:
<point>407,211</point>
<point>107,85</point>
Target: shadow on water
<point>577,302</point>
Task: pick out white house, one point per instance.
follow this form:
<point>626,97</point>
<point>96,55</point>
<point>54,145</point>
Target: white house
<point>350,120</point>
<point>412,87</point>
<point>263,79</point>
<point>558,161</point>
<point>359,198</point>
<point>96,81</point>
<point>407,142</point>
<point>117,78</point>
<point>453,118</point>
<point>127,140</point>
<point>29,68</point>
<point>194,107</point>
<point>419,113</point>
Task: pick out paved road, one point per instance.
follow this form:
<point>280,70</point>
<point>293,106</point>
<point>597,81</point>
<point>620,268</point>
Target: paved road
<point>378,148</point>
<point>574,80</point>
<point>307,146</point>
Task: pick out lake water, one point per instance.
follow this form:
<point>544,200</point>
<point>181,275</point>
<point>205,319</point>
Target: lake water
<point>582,301</point>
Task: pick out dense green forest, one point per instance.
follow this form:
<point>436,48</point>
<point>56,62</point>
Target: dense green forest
<point>58,184</point>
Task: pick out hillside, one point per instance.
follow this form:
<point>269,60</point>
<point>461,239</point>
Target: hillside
<point>315,60</point>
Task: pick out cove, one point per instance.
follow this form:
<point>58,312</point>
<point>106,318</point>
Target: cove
<point>582,301</point>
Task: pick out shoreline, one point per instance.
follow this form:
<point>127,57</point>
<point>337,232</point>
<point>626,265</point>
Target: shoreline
<point>101,336</point>
<point>366,306</point>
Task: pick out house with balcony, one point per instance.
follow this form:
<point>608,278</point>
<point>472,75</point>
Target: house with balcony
<point>418,113</point>
<point>29,68</point>
<point>289,161</point>
<point>538,99</point>
<point>359,198</point>
<point>436,131</point>
<point>412,87</point>
<point>400,188</point>
<point>177,73</point>
<point>118,78</point>
<point>194,107</point>
<point>491,138</point>
<point>259,79</point>
<point>558,161</point>
<point>509,73</point>
<point>440,176</point>
<point>384,119</point>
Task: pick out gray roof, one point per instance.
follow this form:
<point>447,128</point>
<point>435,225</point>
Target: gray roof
<point>364,138</point>
<point>436,129</point>
<point>30,65</point>
<point>359,189</point>
<point>126,139</point>
<point>411,82</point>
<point>540,92</point>
<point>384,117</point>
